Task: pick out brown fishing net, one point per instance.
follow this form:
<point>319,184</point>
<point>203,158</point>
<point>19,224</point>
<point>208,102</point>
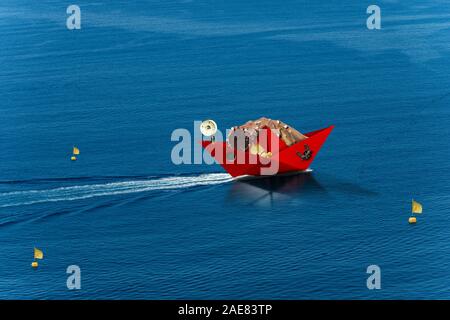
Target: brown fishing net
<point>252,129</point>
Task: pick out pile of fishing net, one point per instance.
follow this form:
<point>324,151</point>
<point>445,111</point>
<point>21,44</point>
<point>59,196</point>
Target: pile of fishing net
<point>251,131</point>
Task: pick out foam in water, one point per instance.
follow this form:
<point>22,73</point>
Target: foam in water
<point>28,197</point>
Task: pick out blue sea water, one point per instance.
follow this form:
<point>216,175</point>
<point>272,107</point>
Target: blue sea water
<point>140,227</point>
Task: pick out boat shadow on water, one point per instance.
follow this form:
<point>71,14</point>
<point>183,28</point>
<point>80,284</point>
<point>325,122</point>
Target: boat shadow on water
<point>266,191</point>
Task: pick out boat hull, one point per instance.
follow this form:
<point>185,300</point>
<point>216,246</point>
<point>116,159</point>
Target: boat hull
<point>297,157</point>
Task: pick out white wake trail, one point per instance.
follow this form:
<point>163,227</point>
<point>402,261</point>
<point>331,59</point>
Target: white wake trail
<point>28,197</point>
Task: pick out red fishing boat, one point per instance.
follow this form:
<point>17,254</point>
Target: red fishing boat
<point>285,159</point>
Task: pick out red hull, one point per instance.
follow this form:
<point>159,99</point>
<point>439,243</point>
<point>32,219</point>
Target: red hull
<point>289,159</point>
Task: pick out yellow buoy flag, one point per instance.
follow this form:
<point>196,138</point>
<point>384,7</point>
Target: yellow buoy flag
<point>416,207</point>
<point>38,254</point>
<point>76,150</point>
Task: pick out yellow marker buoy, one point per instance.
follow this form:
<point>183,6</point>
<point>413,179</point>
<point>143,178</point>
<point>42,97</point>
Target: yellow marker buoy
<point>38,254</point>
<point>415,209</point>
<point>75,152</point>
